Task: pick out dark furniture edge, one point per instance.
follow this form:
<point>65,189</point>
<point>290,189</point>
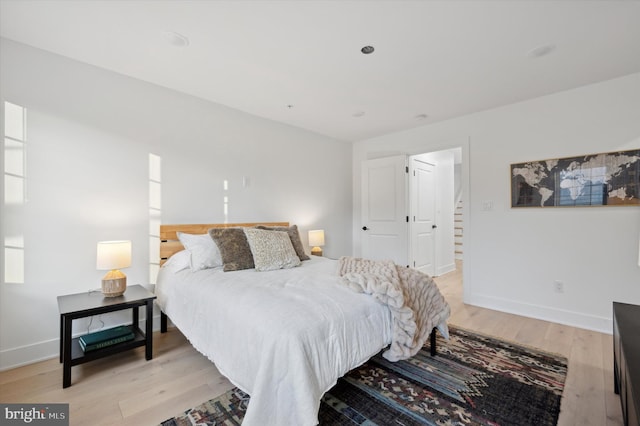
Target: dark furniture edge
<point>163,322</point>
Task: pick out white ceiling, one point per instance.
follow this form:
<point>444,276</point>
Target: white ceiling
<point>439,58</point>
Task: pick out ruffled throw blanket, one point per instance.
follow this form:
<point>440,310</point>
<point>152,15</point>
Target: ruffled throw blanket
<point>412,296</point>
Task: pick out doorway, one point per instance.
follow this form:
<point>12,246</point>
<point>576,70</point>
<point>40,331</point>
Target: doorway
<point>432,202</point>
<point>409,209</point>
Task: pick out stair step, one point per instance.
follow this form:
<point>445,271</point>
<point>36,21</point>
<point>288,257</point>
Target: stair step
<point>458,229</point>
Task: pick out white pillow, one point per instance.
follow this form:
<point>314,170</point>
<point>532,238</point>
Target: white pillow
<point>271,249</point>
<point>204,251</point>
<point>178,261</point>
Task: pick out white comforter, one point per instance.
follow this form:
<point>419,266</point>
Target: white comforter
<point>284,336</point>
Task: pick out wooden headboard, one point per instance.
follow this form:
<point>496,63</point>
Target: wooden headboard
<point>169,243</point>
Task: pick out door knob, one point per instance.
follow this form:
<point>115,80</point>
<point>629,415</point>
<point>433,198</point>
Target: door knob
<point>434,226</point>
<point>364,228</point>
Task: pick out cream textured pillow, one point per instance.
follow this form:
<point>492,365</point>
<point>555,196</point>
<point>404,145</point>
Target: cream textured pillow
<point>204,252</point>
<point>293,234</point>
<point>271,249</point>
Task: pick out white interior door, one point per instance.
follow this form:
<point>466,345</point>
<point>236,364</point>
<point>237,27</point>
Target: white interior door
<point>384,210</point>
<point>423,216</point>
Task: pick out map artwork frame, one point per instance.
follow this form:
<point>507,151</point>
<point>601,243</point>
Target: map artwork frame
<point>606,179</point>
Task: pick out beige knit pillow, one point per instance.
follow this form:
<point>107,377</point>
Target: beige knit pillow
<point>271,249</point>
<point>293,234</point>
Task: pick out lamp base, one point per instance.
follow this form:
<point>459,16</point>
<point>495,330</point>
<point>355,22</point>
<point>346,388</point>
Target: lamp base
<point>114,284</point>
<point>316,251</point>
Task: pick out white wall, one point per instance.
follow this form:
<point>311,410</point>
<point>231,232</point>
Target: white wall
<point>512,257</point>
<point>90,133</point>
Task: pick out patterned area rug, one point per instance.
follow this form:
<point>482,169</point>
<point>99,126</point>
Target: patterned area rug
<point>474,380</point>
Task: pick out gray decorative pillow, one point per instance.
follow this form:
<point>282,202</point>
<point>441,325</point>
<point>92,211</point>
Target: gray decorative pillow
<point>293,235</point>
<point>271,249</point>
<point>234,248</point>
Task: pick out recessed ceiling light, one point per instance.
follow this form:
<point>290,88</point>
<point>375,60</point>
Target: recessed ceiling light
<point>541,51</point>
<point>176,39</point>
<point>421,117</point>
<point>367,50</point>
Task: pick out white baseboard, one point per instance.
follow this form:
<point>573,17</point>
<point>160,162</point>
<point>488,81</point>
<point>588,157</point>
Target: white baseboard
<point>545,313</point>
<point>29,354</point>
<point>445,269</point>
<point>41,351</point>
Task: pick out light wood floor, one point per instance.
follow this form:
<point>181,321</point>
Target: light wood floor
<point>127,390</point>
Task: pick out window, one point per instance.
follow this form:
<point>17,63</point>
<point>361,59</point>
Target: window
<point>15,190</point>
<point>155,215</point>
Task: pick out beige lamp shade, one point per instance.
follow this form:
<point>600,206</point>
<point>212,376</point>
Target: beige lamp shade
<point>111,256</point>
<point>316,240</point>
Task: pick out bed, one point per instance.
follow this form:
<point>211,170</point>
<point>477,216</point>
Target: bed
<point>283,336</point>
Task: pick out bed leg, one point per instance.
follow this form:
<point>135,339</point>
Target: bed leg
<point>433,342</point>
<point>163,322</point>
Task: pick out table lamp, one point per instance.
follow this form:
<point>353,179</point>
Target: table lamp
<point>316,240</point>
<point>113,255</point>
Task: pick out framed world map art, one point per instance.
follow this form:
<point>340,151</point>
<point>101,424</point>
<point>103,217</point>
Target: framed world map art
<point>609,179</point>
